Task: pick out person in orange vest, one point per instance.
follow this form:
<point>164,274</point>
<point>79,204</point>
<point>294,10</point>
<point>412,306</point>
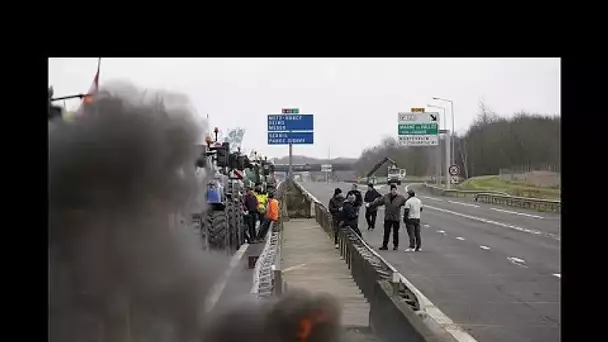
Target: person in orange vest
<point>272,215</point>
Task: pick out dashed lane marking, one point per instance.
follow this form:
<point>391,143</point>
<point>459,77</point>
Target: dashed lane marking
<point>465,204</point>
<point>432,198</point>
<point>517,261</point>
<point>460,238</point>
<point>516,213</point>
<point>484,247</point>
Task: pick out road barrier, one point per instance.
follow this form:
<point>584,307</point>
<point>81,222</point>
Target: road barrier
<point>538,204</point>
<point>267,280</point>
<point>396,313</point>
<point>501,198</point>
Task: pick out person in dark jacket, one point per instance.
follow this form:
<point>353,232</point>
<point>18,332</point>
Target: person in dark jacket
<point>358,198</point>
<point>350,218</point>
<point>335,208</point>
<point>370,213</point>
<point>251,214</point>
<point>392,203</point>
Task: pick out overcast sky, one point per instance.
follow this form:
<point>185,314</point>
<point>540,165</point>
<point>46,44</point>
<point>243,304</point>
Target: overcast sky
<point>355,101</point>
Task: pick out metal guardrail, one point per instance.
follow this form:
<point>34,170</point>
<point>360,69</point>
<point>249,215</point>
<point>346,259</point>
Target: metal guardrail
<point>264,270</point>
<point>520,202</point>
<point>497,197</point>
<point>267,280</point>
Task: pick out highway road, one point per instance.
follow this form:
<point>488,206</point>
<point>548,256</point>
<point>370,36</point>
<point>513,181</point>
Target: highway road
<point>494,270</point>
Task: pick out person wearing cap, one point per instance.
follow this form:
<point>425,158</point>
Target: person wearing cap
<point>358,198</point>
<point>335,207</point>
<point>392,203</point>
<point>350,216</point>
<point>370,214</point>
<point>411,218</point>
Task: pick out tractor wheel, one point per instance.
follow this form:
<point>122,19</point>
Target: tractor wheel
<point>216,229</point>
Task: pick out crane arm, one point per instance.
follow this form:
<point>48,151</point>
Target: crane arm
<point>379,164</point>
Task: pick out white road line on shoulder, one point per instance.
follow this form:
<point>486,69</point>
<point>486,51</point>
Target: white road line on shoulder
<point>219,287</point>
<point>516,213</point>
<point>484,247</point>
<point>517,261</point>
<point>559,275</point>
<point>433,198</point>
<point>465,204</point>
<point>500,224</point>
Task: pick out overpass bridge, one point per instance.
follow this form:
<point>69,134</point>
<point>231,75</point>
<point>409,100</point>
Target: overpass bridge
<point>314,167</point>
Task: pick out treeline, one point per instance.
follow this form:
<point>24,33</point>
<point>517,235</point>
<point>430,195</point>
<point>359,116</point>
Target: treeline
<point>491,143</point>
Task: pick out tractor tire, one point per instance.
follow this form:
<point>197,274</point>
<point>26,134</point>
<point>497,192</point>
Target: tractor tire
<point>217,229</point>
<point>231,225</point>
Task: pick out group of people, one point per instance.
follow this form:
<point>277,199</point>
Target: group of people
<point>345,213</point>
<point>259,207</point>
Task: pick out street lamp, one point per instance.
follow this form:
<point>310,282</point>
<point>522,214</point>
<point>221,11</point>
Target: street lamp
<point>438,162</point>
<point>452,110</point>
<point>445,124</point>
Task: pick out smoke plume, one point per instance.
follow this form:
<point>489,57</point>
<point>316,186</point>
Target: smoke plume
<point>122,265</point>
<point>121,178</point>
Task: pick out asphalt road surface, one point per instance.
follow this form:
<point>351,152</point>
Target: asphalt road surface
<point>494,270</point>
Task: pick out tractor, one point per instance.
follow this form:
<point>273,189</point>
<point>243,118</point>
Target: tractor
<point>223,227</point>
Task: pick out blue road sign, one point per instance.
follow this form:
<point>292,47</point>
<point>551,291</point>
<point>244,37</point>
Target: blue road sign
<point>286,122</point>
<point>286,138</point>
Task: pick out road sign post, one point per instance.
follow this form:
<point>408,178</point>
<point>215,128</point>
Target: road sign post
<point>289,128</point>
<point>447,160</point>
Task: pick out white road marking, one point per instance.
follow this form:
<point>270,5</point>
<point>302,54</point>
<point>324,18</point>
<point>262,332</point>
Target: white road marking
<point>465,204</point>
<point>441,231</point>
<point>432,198</point>
<point>219,287</point>
<point>516,213</point>
<point>559,275</point>
<point>517,261</point>
<point>500,224</point>
<point>426,226</point>
<point>484,247</point>
<point>460,238</point>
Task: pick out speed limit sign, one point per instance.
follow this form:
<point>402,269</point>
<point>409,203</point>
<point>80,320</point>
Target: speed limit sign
<point>454,170</point>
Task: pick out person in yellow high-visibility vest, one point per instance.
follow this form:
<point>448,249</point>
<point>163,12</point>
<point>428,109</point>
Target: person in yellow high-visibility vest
<point>262,199</point>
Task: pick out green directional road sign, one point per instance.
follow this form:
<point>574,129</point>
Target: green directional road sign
<point>418,128</point>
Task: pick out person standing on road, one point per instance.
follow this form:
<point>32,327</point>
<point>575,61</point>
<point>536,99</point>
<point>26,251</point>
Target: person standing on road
<point>370,213</point>
<point>411,218</point>
<point>272,215</point>
<point>335,207</point>
<point>392,203</point>
<point>358,198</point>
<point>251,214</point>
<point>349,214</point>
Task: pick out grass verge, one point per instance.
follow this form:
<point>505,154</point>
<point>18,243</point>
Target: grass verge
<point>494,183</point>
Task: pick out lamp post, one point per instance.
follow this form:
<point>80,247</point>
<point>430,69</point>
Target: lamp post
<point>438,156</point>
<point>452,110</point>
